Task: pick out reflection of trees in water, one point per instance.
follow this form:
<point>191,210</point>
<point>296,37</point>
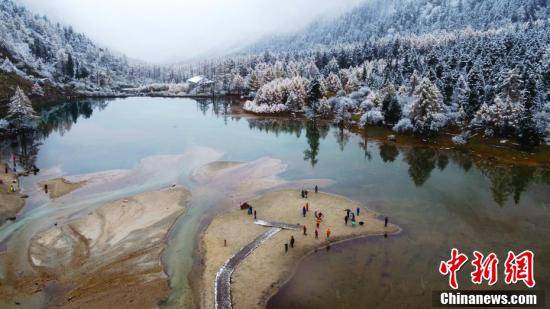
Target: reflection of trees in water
<point>388,152</point>
<point>276,126</point>
<point>62,117</point>
<point>442,161</point>
<point>364,144</point>
<point>314,132</point>
<point>59,118</point>
<point>421,162</point>
<point>312,135</point>
<point>461,159</point>
<point>512,181</point>
<point>342,137</point>
<point>220,107</point>
<point>506,181</point>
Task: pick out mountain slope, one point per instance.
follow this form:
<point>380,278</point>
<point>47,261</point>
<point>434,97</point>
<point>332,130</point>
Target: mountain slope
<point>376,19</point>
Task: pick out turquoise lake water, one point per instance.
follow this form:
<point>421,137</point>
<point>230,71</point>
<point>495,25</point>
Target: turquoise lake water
<point>441,198</point>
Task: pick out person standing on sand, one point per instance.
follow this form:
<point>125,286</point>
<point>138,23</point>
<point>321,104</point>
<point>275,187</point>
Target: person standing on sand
<point>304,211</point>
<point>318,222</point>
<point>316,234</point>
<point>303,194</point>
<point>254,215</point>
<point>305,230</point>
<point>46,188</point>
<point>316,189</point>
<point>286,248</point>
<point>291,241</point>
<point>307,206</point>
<point>346,219</point>
<point>328,233</point>
<point>358,210</point>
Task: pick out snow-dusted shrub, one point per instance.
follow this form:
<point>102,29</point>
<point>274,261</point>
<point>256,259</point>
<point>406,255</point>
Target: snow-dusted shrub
<point>371,117</point>
<point>3,124</point>
<point>323,107</point>
<point>461,139</point>
<point>369,102</point>
<point>264,108</point>
<point>404,126</point>
<point>439,121</point>
<point>343,109</point>
<point>360,94</point>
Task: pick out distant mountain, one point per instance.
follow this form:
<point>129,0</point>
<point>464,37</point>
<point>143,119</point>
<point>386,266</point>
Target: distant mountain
<point>377,19</point>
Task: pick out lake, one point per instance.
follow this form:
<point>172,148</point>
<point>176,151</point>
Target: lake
<point>442,199</point>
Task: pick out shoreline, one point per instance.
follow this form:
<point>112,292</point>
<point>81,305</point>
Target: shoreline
<point>253,267</point>
<point>478,148</point>
<point>11,203</point>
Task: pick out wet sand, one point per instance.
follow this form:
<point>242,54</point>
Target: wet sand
<point>263,272</point>
<point>59,186</point>
<point>10,202</point>
<point>109,257</point>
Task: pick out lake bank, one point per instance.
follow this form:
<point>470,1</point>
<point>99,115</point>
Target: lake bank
<point>10,202</point>
<point>494,149</point>
<point>269,267</point>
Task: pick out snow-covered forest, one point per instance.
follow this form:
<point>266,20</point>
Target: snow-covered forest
<point>415,66</point>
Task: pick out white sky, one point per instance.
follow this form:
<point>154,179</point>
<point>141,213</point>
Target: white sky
<point>176,30</point>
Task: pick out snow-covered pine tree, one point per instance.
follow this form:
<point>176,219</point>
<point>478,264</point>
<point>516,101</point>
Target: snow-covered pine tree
<point>460,100</point>
<point>426,107</point>
<point>504,115</point>
<point>332,84</point>
<point>254,82</point>
<point>332,67</point>
<point>20,114</point>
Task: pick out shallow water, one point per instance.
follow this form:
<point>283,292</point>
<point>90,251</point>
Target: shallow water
<point>441,199</point>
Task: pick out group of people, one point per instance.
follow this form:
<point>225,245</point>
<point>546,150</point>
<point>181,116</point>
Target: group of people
<point>305,192</point>
<point>350,216</point>
<point>252,211</point>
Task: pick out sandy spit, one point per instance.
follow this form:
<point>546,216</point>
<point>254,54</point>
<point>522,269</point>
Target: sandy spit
<point>59,186</point>
<point>268,267</point>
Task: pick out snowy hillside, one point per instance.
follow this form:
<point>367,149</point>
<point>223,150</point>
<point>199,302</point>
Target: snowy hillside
<point>36,49</point>
<point>377,19</point>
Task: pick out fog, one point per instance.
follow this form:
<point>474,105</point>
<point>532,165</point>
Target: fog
<point>169,30</point>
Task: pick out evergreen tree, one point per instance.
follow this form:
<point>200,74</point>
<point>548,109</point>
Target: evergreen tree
<point>21,114</point>
<point>69,67</point>
<point>314,91</point>
<point>390,106</point>
<point>475,96</point>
